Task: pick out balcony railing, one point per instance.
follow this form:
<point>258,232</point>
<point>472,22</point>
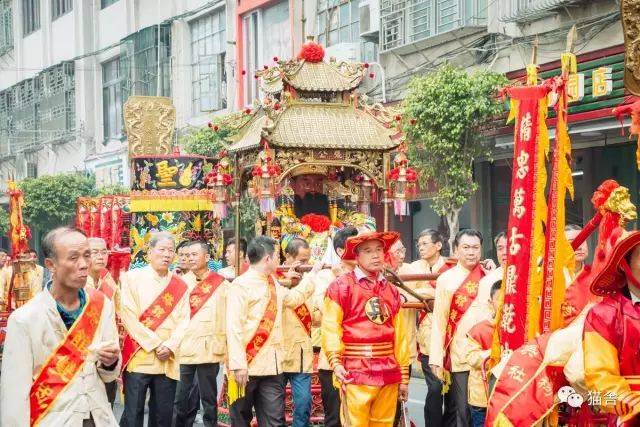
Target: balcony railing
<point>408,21</point>
<point>529,10</point>
<point>6,27</point>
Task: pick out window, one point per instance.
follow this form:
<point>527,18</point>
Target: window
<point>38,110</point>
<point>250,34</point>
<point>208,45</point>
<point>339,22</point>
<point>143,56</point>
<point>60,7</point>
<point>266,35</point>
<point>407,21</point>
<point>112,99</point>
<point>275,32</point>
<point>32,170</point>
<point>6,26</point>
<point>30,16</point>
<point>106,3</point>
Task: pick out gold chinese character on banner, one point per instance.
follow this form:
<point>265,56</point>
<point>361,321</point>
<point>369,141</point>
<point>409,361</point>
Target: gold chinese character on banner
<point>523,164</point>
<point>518,198</point>
<point>508,315</point>
<point>516,373</point>
<point>525,127</point>
<point>601,82</point>
<point>514,246</point>
<point>166,174</point>
<point>510,288</point>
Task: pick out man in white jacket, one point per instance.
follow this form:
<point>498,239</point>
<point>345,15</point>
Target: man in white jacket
<point>61,347</point>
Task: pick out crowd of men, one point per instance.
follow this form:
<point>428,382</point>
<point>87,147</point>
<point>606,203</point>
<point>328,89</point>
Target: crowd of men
<point>265,328</point>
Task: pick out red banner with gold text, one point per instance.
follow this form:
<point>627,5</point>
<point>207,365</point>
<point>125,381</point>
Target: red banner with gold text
<point>519,317</point>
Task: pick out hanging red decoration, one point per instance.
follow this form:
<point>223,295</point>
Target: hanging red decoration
<point>311,52</point>
<point>402,182</point>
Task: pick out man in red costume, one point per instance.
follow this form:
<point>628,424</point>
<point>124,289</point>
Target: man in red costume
<point>364,338</point>
<point>612,334</point>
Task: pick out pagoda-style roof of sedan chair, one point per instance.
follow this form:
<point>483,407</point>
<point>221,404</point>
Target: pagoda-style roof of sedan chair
<point>311,115</point>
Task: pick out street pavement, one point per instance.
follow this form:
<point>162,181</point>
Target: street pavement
<point>417,393</point>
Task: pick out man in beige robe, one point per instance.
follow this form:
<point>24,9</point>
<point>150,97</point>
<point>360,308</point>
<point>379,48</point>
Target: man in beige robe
<point>249,298</point>
<point>155,367</point>
<point>469,247</point>
<point>35,331</point>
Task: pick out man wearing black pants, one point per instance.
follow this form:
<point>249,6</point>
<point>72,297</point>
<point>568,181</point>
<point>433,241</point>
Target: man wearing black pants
<point>155,313</point>
<point>254,336</point>
<point>265,394</point>
<point>203,346</point>
<point>433,400</point>
<point>330,398</point>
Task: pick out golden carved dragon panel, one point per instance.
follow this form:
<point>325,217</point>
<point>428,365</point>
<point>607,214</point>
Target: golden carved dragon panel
<point>150,124</point>
<point>630,11</point>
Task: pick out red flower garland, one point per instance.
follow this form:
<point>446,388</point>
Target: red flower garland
<point>317,223</point>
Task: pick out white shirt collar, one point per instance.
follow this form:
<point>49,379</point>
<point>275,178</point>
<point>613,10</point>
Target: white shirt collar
<point>634,299</point>
<point>360,274</point>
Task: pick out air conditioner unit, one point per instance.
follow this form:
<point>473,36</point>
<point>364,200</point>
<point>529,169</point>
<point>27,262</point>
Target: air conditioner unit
<point>348,52</point>
<point>369,19</point>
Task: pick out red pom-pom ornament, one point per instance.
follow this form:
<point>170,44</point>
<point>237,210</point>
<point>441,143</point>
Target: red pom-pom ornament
<point>311,52</point>
<point>317,223</point>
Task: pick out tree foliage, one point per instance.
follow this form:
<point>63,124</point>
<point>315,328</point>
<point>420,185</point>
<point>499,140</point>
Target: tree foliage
<point>210,140</point>
<point>249,213</point>
<point>4,221</point>
<point>50,200</point>
<point>113,190</point>
<point>448,106</point>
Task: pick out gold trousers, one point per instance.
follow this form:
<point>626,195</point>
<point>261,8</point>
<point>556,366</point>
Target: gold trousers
<point>369,406</point>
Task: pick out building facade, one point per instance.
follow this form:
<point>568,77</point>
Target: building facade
<point>68,66</point>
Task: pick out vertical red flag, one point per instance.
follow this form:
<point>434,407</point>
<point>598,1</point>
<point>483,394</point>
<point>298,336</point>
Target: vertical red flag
<point>518,320</point>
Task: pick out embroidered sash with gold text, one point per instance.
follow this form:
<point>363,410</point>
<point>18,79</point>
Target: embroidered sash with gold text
<point>67,360</point>
<point>266,324</point>
<point>460,303</point>
<point>155,314</point>
<point>203,291</point>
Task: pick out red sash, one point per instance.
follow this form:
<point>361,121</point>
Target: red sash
<point>203,291</point>
<point>67,360</point>
<point>154,315</point>
<point>304,315</point>
<point>462,299</point>
<point>444,267</point>
<point>104,284</point>
<point>266,324</point>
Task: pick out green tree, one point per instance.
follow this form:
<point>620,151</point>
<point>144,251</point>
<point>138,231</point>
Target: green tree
<point>249,213</point>
<point>50,200</point>
<point>447,108</point>
<point>115,190</point>
<point>4,221</point>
